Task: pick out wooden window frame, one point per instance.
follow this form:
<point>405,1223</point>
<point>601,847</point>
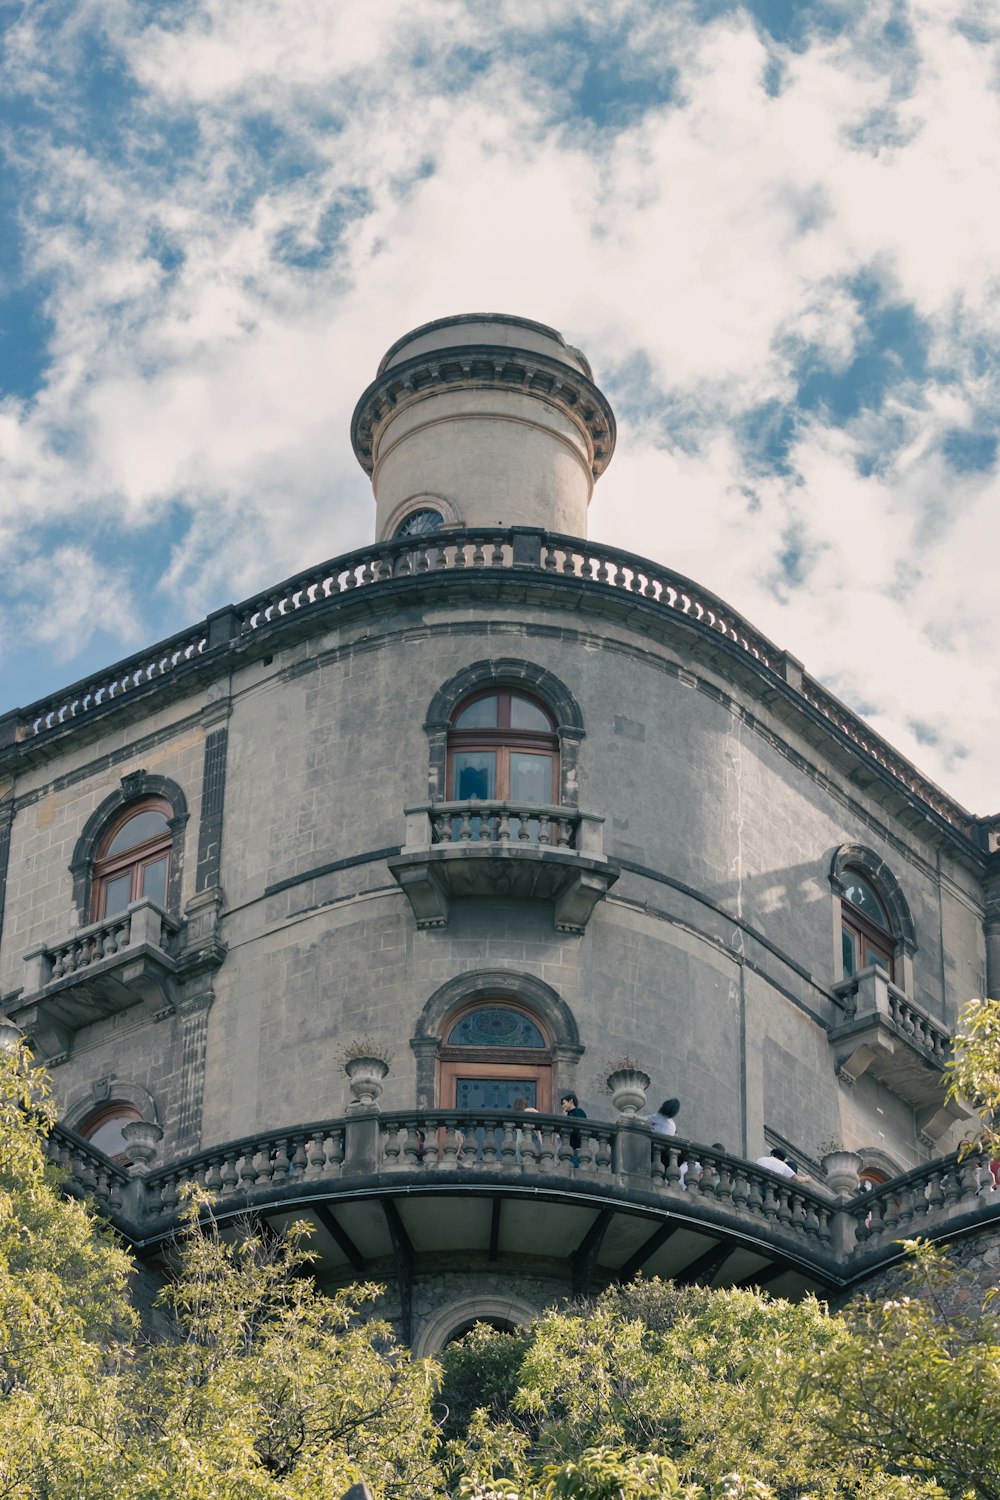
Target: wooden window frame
<point>503,739</point>
<point>533,1063</point>
<point>130,861</point>
<point>869,935</point>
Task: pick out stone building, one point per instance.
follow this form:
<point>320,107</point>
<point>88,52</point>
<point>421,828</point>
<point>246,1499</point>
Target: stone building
<point>511,804</point>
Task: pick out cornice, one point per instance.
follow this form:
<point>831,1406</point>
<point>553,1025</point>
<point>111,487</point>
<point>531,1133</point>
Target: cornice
<point>494,367</point>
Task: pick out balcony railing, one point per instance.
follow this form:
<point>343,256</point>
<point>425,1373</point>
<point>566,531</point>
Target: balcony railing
<point>586,565</point>
<point>619,1164</point>
<point>527,851</point>
<point>889,1038</point>
<point>96,972</point>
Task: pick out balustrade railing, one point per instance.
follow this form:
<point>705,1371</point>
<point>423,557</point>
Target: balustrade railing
<point>273,1159</point>
<point>743,1187</point>
<point>871,993</point>
<point>142,922</point>
<point>483,551</point>
<point>449,1145</point>
<point>504,823</point>
<point>482,1141</point>
<point>914,1203</point>
<point>89,1172</point>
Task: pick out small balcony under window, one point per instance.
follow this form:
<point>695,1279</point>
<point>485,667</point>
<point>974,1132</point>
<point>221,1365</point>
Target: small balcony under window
<point>522,850</point>
<point>892,1040</point>
<point>122,961</point>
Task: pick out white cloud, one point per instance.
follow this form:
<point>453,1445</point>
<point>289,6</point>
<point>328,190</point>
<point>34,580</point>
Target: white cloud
<point>196,363</point>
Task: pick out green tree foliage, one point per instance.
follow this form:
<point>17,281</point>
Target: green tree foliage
<point>65,1316</point>
<point>974,1067</point>
<point>915,1386</point>
<point>258,1387</point>
<point>709,1381</point>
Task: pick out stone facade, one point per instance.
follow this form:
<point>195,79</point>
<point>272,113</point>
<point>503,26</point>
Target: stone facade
<point>290,736</point>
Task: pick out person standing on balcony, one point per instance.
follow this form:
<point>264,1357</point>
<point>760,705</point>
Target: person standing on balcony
<point>570,1106</point>
<point>776,1161</point>
<point>664,1121</point>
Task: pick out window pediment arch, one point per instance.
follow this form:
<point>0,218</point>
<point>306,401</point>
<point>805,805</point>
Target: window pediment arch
<point>511,679</point>
<point>137,790</point>
<point>494,990</point>
<point>880,877</point>
<point>498,986</point>
<point>512,673</point>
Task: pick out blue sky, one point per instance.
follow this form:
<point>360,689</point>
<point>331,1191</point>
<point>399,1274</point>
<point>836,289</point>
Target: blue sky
<point>772,226</point>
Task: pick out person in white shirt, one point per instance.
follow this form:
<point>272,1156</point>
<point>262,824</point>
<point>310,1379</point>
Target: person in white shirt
<point>776,1161</point>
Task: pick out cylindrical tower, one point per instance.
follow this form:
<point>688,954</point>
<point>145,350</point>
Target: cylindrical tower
<point>482,420</point>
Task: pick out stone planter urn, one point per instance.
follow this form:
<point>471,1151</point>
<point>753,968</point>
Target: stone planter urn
<point>628,1090</point>
<point>365,1075</point>
<point>141,1138</point>
<point>841,1168</point>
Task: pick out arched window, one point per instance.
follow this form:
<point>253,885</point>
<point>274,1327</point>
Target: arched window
<point>132,858</point>
<point>103,1129</point>
<point>866,934</point>
<point>503,746</point>
<point>493,1055</point>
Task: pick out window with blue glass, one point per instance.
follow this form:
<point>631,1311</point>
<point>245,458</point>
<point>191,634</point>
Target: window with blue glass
<point>495,1057</point>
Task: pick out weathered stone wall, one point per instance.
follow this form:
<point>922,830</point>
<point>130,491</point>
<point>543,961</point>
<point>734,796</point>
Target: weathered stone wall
<point>976,1258</point>
<point>712,958</point>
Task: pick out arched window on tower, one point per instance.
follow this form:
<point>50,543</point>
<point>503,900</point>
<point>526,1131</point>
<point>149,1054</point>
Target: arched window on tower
<point>492,1055</point>
<point>132,859</point>
<point>503,746</point>
<point>866,934</point>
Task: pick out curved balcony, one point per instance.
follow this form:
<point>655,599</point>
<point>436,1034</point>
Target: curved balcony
<point>389,1195</point>
<point>522,850</point>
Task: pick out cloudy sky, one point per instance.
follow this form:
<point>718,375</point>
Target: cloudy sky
<point>772,226</point>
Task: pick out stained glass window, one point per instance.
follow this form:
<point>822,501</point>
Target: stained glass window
<point>495,1026</point>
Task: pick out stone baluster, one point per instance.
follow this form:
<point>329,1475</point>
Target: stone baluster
<point>503,826</point>
<point>547,1148</point>
<point>548,556</point>
<point>825,1230</point>
<point>605,1153</point>
<point>564,831</point>
<point>298,1162</point>
<point>935,1193</point>
<point>490,1148</point>
<point>672,1166</point>
<point>508,1148</point>
<point>970,1176</point>
<point>524,827</point>
<point>465,827</point>
<point>496,555</point>
<point>453,1144</point>
<point>230,1176</point>
<point>391,1145</point>
<point>587,1151</point>
<point>565,1153</point>
<point>544,829</point>
<point>169,1195</point>
<point>431,1145</point>
<point>412,1146</point>
<point>783,1206</point>
<point>335,1152</point>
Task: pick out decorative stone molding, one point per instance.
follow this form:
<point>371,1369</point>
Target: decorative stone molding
<point>134,786</point>
<point>858,857</point>
<point>524,851</point>
<point>486,367</point>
